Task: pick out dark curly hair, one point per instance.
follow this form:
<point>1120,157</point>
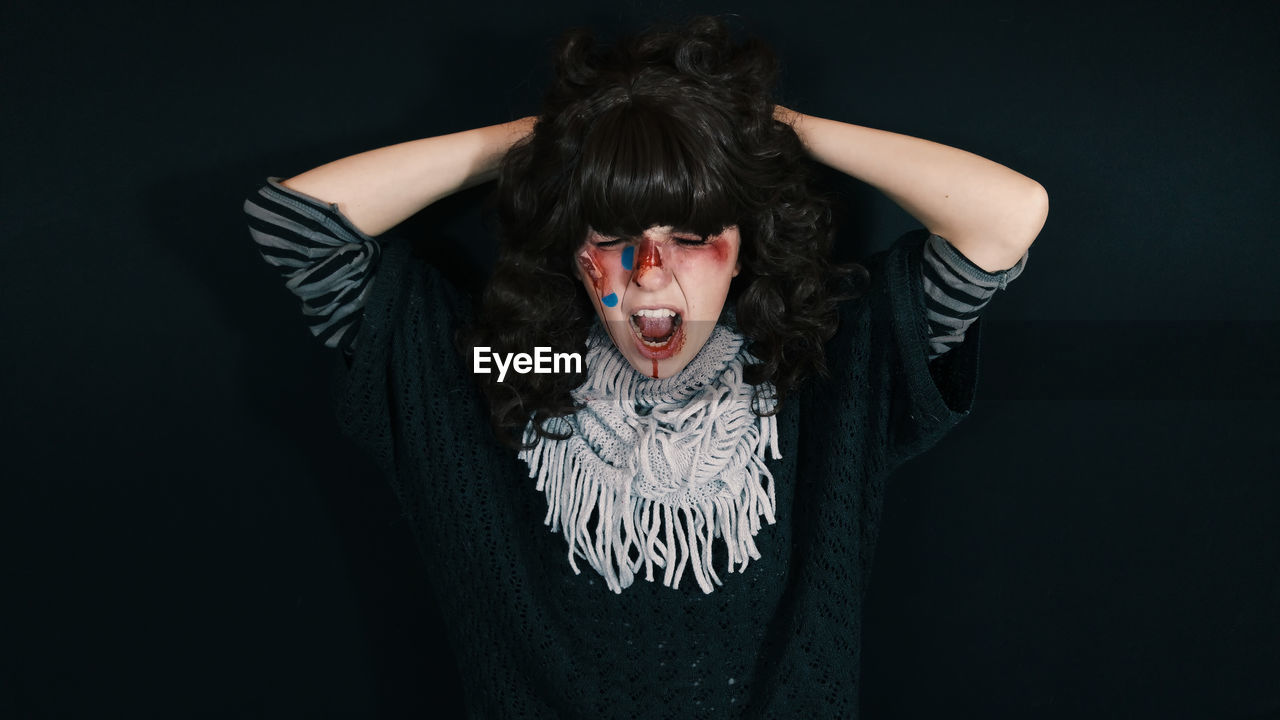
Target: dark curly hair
<point>674,126</point>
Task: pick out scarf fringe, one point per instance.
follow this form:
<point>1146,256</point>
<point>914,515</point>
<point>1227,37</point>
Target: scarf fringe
<point>632,533</point>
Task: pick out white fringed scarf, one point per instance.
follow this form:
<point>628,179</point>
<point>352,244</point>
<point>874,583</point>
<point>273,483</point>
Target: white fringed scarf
<point>665,466</point>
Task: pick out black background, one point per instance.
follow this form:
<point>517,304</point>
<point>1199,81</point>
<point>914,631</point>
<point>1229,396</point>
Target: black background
<point>185,532</point>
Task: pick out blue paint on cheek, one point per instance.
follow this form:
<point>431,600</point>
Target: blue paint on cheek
<point>628,257</point>
<point>610,300</point>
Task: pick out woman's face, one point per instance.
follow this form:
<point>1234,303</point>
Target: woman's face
<point>661,293</point>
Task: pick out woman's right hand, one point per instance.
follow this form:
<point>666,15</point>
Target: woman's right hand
<point>378,189</point>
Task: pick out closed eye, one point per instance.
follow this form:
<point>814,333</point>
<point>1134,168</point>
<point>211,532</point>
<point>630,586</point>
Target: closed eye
<point>689,240</point>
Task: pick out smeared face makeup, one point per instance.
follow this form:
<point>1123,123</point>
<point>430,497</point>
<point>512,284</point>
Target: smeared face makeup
<point>659,294</point>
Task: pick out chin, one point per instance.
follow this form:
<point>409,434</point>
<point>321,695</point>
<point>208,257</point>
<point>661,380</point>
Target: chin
<point>666,368</point>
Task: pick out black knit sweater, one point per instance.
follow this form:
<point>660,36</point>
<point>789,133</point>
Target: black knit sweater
<point>531,638</point>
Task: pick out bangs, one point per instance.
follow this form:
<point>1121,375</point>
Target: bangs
<point>643,166</point>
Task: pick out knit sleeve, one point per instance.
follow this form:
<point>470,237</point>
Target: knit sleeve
<point>955,291</point>
<point>325,260</point>
<point>924,399</point>
<point>404,395</point>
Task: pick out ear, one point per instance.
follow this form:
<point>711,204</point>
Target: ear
<point>737,268</point>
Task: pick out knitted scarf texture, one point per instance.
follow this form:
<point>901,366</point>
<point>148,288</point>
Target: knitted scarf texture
<point>665,467</point>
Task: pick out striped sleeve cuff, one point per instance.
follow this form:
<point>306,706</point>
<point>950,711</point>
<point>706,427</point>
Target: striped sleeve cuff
<point>326,261</point>
<point>956,290</point>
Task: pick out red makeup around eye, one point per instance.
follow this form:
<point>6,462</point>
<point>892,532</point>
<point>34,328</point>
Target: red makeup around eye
<point>719,248</point>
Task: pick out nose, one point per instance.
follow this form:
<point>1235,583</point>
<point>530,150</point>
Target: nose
<point>649,273</point>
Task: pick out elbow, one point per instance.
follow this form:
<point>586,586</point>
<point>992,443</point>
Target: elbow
<point>1033,212</point>
<point>1039,207</point>
<point>1000,248</point>
<point>998,243</point>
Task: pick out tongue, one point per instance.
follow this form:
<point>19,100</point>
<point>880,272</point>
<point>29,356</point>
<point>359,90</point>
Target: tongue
<point>655,328</point>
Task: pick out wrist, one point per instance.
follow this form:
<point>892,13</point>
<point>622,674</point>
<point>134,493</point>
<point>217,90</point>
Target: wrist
<point>786,115</point>
<point>798,124</point>
<point>492,144</point>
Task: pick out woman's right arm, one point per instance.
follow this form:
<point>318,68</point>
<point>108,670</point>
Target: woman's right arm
<point>318,227</point>
<point>379,189</point>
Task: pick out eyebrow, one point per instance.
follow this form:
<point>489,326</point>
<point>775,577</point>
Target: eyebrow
<point>674,231</point>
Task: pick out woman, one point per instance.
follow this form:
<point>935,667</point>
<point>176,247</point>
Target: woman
<point>740,402</point>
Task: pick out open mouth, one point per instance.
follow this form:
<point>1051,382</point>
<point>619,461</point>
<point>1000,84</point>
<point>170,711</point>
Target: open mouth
<point>659,332</point>
<point>655,328</point>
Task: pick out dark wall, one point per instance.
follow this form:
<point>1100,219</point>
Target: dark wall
<point>186,532</point>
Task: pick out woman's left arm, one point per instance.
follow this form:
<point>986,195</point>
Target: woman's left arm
<point>988,212</point>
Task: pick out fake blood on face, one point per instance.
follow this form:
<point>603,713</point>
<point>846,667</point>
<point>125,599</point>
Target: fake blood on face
<point>674,346</point>
<point>648,257</point>
<point>589,264</point>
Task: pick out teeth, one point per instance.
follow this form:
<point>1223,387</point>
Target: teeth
<point>660,312</point>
